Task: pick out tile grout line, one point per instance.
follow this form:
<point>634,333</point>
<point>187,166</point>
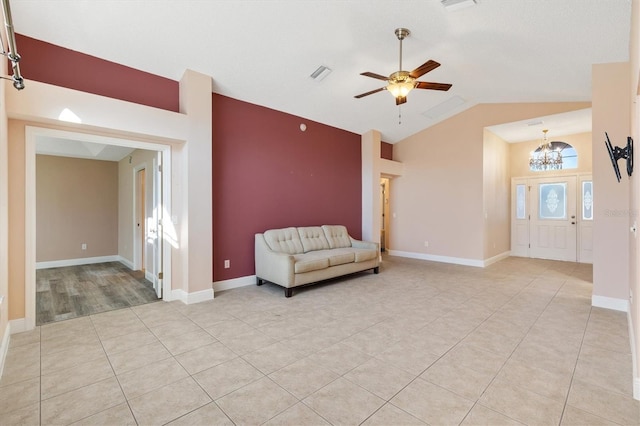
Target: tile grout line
<point>114,373</point>
<point>575,366</point>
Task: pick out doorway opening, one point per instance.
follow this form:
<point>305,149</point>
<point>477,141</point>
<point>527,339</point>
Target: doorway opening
<point>146,197</point>
<point>384,224</point>
<point>552,218</point>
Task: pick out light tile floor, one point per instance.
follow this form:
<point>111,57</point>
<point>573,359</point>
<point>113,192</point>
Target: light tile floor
<point>420,343</point>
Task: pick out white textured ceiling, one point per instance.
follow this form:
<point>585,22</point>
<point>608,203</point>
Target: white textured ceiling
<point>567,123</point>
<point>264,51</point>
<point>47,145</point>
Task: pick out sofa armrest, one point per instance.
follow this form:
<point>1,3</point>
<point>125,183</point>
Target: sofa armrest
<point>364,244</point>
<point>272,266</point>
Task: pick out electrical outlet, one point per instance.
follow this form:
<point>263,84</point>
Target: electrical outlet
<point>227,264</point>
<point>84,246</point>
<point>426,243</point>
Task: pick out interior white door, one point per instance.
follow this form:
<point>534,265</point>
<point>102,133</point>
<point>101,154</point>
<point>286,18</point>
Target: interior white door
<point>553,218</point>
<point>156,226</point>
<point>520,191</point>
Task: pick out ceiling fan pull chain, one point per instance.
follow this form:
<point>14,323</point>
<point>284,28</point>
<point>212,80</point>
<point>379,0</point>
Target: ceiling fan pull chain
<point>399,114</point>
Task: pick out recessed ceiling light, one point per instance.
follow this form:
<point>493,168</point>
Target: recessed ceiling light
<point>321,73</point>
<point>453,5</point>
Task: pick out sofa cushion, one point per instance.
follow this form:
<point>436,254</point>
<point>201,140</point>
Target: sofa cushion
<point>337,256</point>
<point>312,238</point>
<point>285,240</point>
<point>306,263</point>
<point>362,255</point>
<point>337,236</point>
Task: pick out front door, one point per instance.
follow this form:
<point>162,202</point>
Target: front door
<point>553,218</point>
<point>546,222</point>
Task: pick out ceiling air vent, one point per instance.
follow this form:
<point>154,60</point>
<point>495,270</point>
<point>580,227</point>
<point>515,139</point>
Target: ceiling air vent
<point>453,5</point>
<point>321,73</point>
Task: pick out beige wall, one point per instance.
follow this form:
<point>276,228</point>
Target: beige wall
<point>4,213</point>
<point>440,197</point>
<point>634,250</point>
<point>519,155</point>
<point>197,204</point>
<point>126,226</point>
<point>496,189</point>
<point>611,100</point>
<point>16,154</point>
<point>76,203</point>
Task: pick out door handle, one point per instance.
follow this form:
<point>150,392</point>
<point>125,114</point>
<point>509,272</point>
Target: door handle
<point>573,223</point>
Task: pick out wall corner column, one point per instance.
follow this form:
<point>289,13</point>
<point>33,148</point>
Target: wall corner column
<point>197,173</point>
<point>611,114</point>
<point>371,206</point>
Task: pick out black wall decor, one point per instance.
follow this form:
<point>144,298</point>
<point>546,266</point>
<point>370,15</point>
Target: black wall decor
<point>616,153</point>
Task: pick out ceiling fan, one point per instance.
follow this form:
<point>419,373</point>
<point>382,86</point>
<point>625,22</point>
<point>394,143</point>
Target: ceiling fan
<point>400,83</point>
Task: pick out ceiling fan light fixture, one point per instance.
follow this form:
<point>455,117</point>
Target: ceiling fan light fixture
<point>400,84</point>
<point>400,89</point>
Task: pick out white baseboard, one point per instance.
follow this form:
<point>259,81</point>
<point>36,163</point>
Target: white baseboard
<point>496,258</point>
<point>18,325</point>
<point>148,275</point>
<point>79,261</point>
<point>437,258</point>
<point>610,303</point>
<point>191,298</point>
<point>234,283</point>
<point>4,346</point>
<point>126,262</point>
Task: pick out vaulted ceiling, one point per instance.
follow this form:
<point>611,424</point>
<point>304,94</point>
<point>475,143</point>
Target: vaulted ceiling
<point>264,51</point>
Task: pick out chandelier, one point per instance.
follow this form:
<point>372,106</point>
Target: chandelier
<point>545,157</point>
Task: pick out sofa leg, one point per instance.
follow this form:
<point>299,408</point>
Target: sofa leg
<point>376,270</point>
<point>259,281</point>
<point>288,292</point>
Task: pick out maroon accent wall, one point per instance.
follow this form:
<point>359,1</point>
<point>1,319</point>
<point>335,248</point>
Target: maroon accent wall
<point>386,151</point>
<point>48,63</point>
<point>267,174</point>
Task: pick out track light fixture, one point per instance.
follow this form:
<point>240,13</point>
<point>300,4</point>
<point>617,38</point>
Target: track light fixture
<point>11,52</point>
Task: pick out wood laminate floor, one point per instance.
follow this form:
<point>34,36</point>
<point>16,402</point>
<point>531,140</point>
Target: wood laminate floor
<point>75,291</point>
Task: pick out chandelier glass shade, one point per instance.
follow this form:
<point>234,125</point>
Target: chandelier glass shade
<point>400,84</point>
<point>545,157</point>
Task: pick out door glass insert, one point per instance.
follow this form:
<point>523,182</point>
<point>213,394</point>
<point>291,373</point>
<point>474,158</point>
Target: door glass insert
<point>553,201</point>
<point>587,200</point>
<point>521,200</point>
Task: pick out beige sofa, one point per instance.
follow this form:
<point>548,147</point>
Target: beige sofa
<point>291,257</point>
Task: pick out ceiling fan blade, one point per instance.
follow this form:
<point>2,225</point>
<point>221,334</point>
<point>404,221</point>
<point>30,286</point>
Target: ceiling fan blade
<point>400,100</point>
<point>370,93</point>
<point>430,65</point>
<point>433,86</point>
<point>374,75</point>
